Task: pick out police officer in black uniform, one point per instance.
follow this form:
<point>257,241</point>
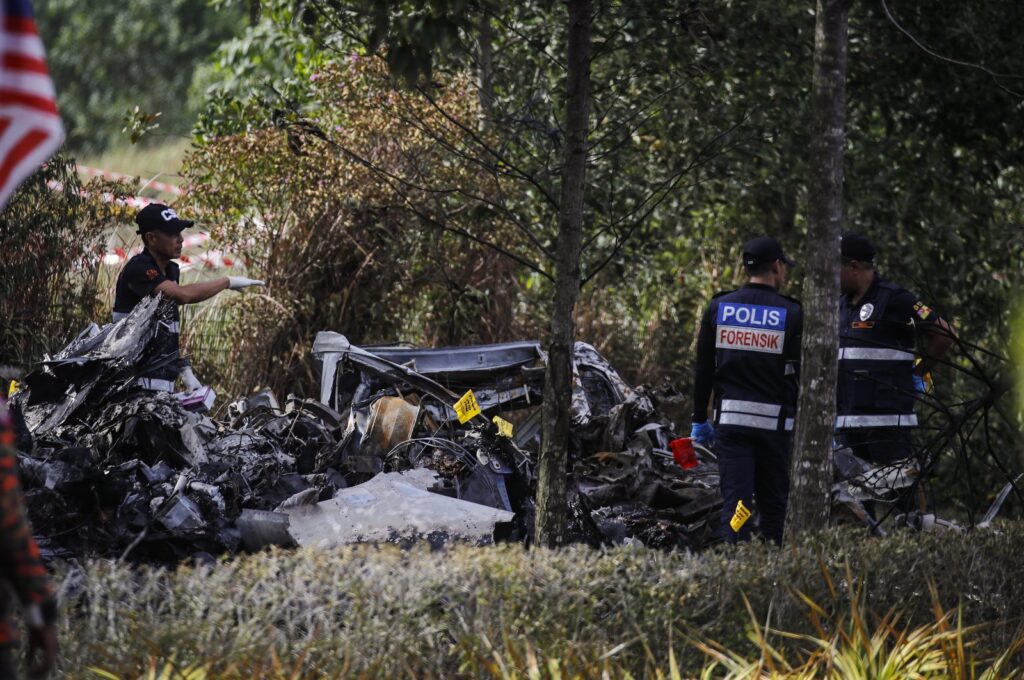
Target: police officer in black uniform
<point>878,325</point>
<point>748,353</point>
<point>151,272</point>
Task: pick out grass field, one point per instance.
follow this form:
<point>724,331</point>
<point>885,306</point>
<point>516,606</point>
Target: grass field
<point>161,162</point>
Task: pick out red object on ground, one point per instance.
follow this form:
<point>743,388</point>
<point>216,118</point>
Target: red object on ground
<point>683,453</point>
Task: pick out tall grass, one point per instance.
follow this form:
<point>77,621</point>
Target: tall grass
<point>865,607</point>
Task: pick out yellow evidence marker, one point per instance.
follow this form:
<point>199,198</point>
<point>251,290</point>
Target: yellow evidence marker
<point>466,407</point>
<point>504,427</point>
<point>740,517</point>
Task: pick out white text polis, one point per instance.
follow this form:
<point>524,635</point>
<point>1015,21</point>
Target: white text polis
<point>753,328</point>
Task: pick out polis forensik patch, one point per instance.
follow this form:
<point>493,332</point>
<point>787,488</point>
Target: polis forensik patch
<point>754,328</point>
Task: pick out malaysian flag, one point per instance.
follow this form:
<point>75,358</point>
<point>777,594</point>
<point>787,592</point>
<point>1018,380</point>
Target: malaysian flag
<point>30,127</point>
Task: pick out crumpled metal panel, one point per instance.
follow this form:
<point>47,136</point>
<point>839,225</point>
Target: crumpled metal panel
<point>389,507</point>
<point>332,348</point>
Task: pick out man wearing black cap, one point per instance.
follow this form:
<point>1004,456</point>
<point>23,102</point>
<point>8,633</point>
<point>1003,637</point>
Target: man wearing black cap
<point>152,271</point>
<point>748,353</point>
<point>878,324</point>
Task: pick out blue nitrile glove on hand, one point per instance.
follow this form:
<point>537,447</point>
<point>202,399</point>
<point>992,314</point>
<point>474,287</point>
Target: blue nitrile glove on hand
<point>702,433</point>
<point>920,386</point>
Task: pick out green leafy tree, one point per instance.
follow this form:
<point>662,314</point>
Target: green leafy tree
<point>107,58</point>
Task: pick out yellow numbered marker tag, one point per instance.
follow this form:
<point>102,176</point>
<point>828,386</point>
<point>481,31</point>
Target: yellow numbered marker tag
<point>740,517</point>
<point>467,408</point>
<point>504,427</point>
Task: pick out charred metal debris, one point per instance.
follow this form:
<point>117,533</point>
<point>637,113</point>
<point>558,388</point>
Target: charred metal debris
<point>114,470</point>
<point>111,469</point>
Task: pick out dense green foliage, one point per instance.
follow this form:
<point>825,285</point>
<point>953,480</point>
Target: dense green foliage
<point>106,58</point>
<point>484,612</point>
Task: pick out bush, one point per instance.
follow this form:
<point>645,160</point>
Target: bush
<point>340,247</point>
<point>471,612</point>
<point>51,241</point>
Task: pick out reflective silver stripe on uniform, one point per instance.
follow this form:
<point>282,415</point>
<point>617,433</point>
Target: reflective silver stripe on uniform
<point>156,384</point>
<point>789,424</point>
<point>117,316</point>
<point>755,407</point>
<point>790,369</point>
<point>747,420</point>
<point>894,420</point>
<point>874,354</point>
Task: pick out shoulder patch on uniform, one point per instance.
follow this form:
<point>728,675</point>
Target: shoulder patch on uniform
<point>922,310</point>
<point>151,274</point>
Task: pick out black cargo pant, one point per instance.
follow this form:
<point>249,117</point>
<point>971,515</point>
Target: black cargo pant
<point>754,469</point>
<point>880,446</point>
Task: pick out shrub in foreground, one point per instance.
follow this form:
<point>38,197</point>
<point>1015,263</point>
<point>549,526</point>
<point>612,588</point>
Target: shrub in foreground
<point>502,611</point>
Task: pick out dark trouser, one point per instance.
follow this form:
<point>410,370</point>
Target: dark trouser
<point>754,467</point>
<point>881,446</point>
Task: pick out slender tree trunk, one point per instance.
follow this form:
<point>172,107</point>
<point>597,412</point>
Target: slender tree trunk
<point>812,453</point>
<point>485,70</point>
<point>551,491</point>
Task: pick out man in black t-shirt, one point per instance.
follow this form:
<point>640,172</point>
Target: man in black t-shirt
<point>879,322</point>
<point>153,272</point>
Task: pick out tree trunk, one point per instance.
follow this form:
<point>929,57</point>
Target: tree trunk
<point>812,453</point>
<point>551,483</point>
<point>485,70</point>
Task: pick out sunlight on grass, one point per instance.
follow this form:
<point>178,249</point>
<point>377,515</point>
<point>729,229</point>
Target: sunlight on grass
<point>161,163</point>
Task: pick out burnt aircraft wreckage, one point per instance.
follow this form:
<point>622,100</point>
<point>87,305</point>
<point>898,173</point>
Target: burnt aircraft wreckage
<point>403,444</point>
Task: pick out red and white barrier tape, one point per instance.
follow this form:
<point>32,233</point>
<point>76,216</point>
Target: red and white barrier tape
<point>210,259</point>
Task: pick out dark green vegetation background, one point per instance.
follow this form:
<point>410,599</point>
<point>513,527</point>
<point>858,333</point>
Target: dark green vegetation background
<point>718,89</point>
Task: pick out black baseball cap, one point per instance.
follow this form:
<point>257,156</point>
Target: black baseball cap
<point>159,217</point>
<point>762,250</point>
<point>857,247</point>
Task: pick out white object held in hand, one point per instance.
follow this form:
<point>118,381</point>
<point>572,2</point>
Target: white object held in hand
<point>240,282</point>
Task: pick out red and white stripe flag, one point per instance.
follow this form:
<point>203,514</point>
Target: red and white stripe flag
<point>30,127</point>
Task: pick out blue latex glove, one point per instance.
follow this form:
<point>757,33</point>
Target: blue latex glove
<point>702,433</point>
<point>920,386</point>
